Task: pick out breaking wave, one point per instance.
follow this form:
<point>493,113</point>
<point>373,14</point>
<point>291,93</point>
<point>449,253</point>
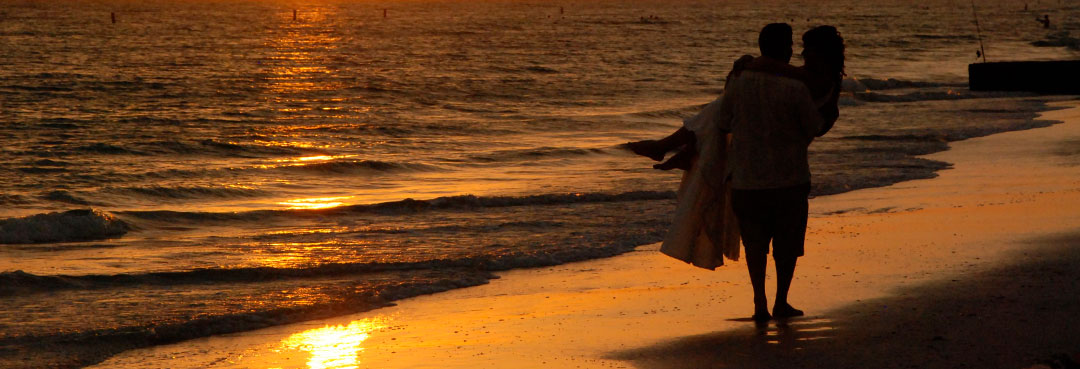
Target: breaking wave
<point>536,153</point>
<point>350,166</point>
<point>72,225</point>
<point>1059,39</point>
<point>204,147</point>
<point>868,84</point>
<point>109,340</point>
<point>189,192</point>
<point>946,94</point>
<point>65,197</point>
<point>406,206</point>
<point>21,283</point>
<point>14,199</point>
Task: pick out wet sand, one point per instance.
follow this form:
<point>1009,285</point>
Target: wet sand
<point>1014,316</point>
<point>975,268</point>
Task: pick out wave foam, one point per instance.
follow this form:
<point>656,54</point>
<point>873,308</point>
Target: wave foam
<point>867,84</point>
<point>947,94</point>
<point>1060,39</point>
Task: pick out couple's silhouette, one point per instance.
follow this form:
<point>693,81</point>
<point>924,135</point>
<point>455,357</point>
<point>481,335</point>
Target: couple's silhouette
<point>745,155</point>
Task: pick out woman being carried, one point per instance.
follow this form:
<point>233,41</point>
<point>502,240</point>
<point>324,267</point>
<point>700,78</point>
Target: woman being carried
<point>704,229</point>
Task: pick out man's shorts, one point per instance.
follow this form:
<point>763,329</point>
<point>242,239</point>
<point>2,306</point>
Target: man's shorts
<point>776,214</point>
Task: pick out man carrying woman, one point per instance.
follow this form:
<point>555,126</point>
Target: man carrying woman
<point>747,173</point>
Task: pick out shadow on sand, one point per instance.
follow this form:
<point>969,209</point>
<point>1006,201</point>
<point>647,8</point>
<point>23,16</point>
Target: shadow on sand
<point>1013,316</point>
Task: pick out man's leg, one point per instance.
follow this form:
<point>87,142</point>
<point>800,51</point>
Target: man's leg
<point>756,263</point>
<point>752,215</point>
<point>785,272</point>
<point>792,208</point>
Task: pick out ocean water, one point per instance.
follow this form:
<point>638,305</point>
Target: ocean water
<point>203,167</point>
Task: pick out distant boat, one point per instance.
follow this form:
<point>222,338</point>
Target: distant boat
<point>1053,77</point>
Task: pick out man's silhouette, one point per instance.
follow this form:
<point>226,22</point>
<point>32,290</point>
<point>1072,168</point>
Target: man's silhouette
<point>772,120</point>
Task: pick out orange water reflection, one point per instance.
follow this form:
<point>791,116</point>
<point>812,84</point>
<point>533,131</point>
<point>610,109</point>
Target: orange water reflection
<point>300,52</point>
<point>316,202</point>
<point>306,254</point>
<point>334,346</point>
<point>315,158</point>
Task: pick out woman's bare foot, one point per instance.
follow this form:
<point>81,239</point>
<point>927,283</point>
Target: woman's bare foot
<point>681,160</point>
<point>648,148</point>
<point>781,311</point>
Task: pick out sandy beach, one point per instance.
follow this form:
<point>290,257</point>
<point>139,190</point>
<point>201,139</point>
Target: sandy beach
<point>975,268</point>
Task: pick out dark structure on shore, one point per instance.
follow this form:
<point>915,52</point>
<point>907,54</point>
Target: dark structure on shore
<point>1054,77</point>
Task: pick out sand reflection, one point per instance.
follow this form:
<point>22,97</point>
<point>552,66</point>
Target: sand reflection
<point>334,346</point>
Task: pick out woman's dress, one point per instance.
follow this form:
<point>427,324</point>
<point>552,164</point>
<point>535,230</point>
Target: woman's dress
<point>704,230</point>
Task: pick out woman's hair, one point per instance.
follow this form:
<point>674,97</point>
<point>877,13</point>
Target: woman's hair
<point>826,40</point>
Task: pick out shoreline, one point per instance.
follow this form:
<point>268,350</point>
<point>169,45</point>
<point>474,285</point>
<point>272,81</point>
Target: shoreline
<point>623,310</point>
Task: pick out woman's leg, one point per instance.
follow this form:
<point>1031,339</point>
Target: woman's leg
<point>656,149</point>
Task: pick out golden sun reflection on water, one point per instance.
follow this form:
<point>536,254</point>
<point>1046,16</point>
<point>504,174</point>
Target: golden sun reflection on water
<point>315,202</point>
<point>300,57</point>
<point>304,254</point>
<point>335,347</point>
<point>315,158</point>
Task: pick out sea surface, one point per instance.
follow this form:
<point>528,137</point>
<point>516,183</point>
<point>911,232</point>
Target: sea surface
<point>203,167</point>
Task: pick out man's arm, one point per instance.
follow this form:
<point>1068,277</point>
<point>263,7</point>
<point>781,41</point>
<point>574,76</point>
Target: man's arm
<point>782,69</point>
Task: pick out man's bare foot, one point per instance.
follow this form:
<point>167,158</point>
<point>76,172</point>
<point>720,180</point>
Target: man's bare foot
<point>648,148</point>
<point>781,311</point>
<point>761,316</point>
<point>761,310</point>
<point>681,160</point>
